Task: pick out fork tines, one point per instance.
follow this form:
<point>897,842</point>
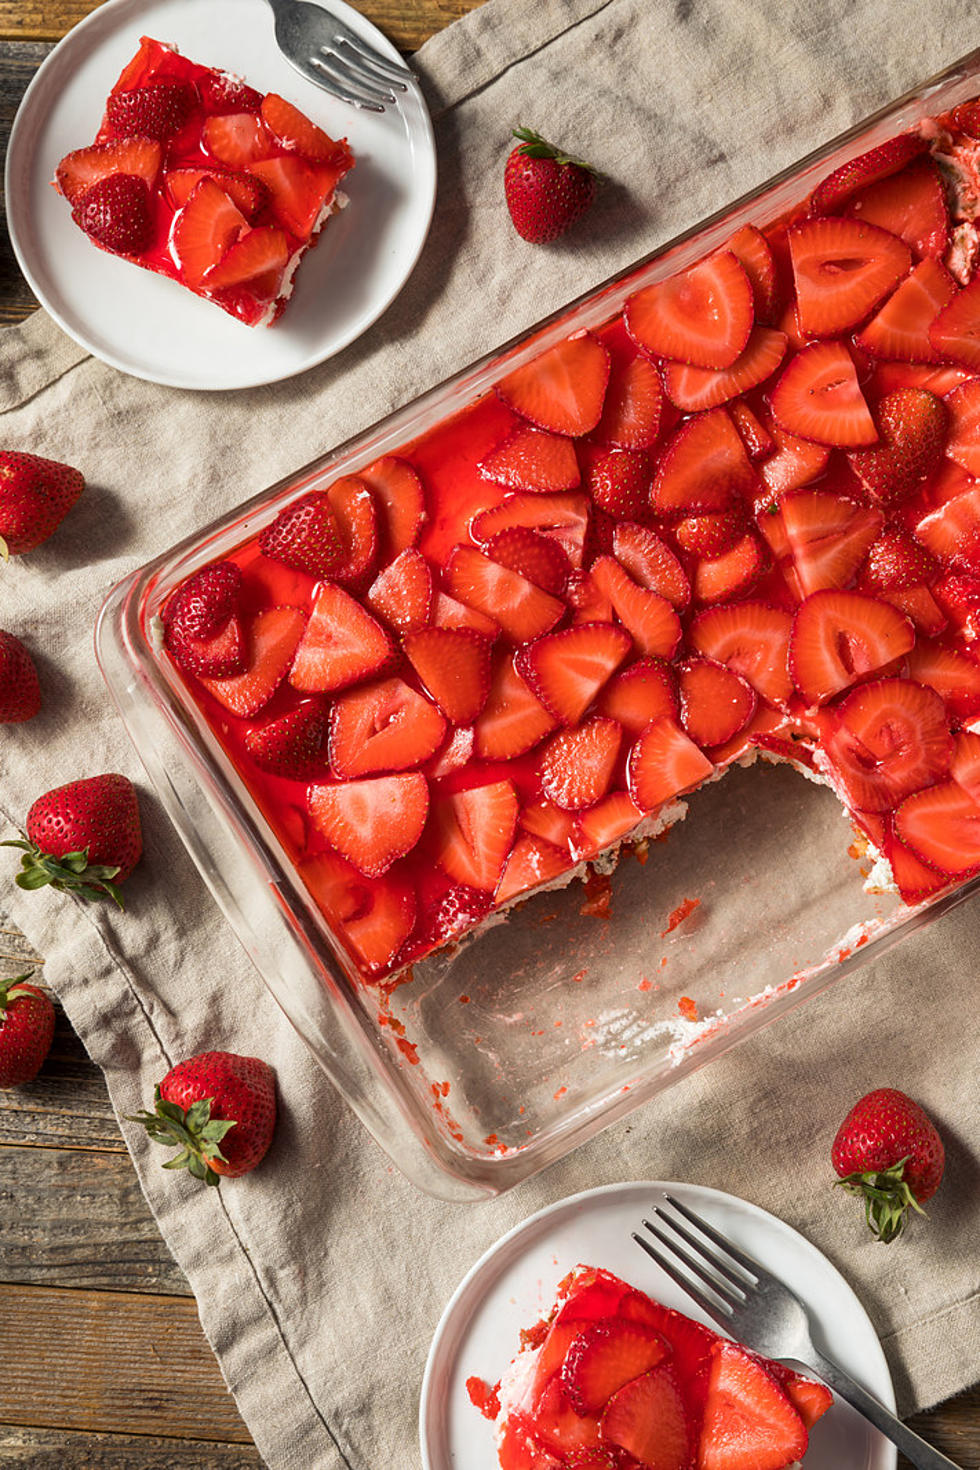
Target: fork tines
<point>366,78</point>
<point>729,1286</point>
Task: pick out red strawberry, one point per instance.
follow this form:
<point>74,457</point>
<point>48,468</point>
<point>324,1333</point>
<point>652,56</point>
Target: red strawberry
<point>79,171</point>
<point>954,675</point>
<point>867,168</point>
<point>758,441</point>
<point>400,498</point>
<point>297,190</point>
<point>563,518</point>
<point>955,333</point>
<point>606,1355</point>
<point>963,407</point>
<point>888,1150</point>
<point>818,397</point>
<point>829,536</point>
<point>636,696</point>
<point>566,670</point>
<point>216,655</point>
<point>910,204</point>
<point>588,603</point>
<point>900,329</point>
<point>341,644</point>
<point>604,825</point>
<point>965,767</point>
<point>646,1418</point>
<point>541,559</point>
<point>952,533</point>
<point>633,404</point>
<point>546,190</point>
<point>752,251</point>
<point>619,483</point>
<point>474,831</point>
<point>205,230</point>
<point>20,690</point>
<point>897,561</point>
<point>703,316</point>
<point>703,468</point>
<point>532,861</point>
<point>271,641</point>
<point>912,433</point>
<point>448,613</point>
<point>715,702</point>
<point>577,765</point>
<point>245,192</point>
<point>372,822</point>
<point>257,258</point>
<point>82,838</point>
<point>651,562</point>
<point>842,269</point>
<point>402,593</point>
<point>941,825</point>
<point>885,740</point>
<point>810,1400</point>
<point>115,213</point>
<point>748,1421</point>
<point>710,535</point>
<point>306,536</point>
<point>959,597</point>
<point>562,390</point>
<point>695,388</point>
<point>516,605</point>
<point>157,110</point>
<point>840,636</point>
<point>453,665</point>
<point>513,719</point>
<point>202,627</point>
<point>291,745</point>
<point>562,1431</point>
<point>357,520</point>
<point>530,459</point>
<point>219,1110</point>
<point>919,604</point>
<point>650,618</point>
<point>27,1020</point>
<point>718,578</point>
<point>294,129</point>
<point>385,726</point>
<point>752,639</point>
<point>795,462</point>
<point>35,496</point>
<point>221,92</point>
<point>544,819</point>
<point>237,139</point>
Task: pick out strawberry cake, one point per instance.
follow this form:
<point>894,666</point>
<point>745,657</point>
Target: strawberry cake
<point>197,176</point>
<point>612,1380</point>
<point>741,517</point>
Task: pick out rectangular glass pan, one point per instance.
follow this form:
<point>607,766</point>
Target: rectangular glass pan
<point>506,1051</point>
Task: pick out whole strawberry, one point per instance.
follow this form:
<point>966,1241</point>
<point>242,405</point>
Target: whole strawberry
<point>546,190</point>
<point>888,1150</point>
<point>84,838</point>
<point>35,495</point>
<point>20,692</point>
<point>219,1110</point>
<point>26,1030</point>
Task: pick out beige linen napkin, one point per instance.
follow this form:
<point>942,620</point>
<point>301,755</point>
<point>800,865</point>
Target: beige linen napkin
<point>320,1278</point>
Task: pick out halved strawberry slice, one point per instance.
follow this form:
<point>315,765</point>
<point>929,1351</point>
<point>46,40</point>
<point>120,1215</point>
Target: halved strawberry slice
<point>963,443</point>
<point>474,832</point>
<point>222,92</point>
<point>563,517</point>
<point>811,1400</point>
<point>541,559</point>
<point>291,746</point>
<point>795,462</point>
<point>954,675</point>
<point>663,764</point>
<point>650,561</point>
<point>715,701</point>
<point>448,613</point>
<point>257,258</point>
<point>619,483</point>
<point>955,333</point>
<point>818,397</point>
<point>753,639</point>
<point>577,765</point>
<point>703,468</point>
<point>897,562</point>
<point>372,822</point>
<point>357,520</point>
<point>272,639</point>
<point>633,405</point>
<point>829,536</point>
<point>637,696</point>
<point>912,425</point>
<point>211,655</point>
<point>759,442</point>
<point>858,173</point>
<point>532,862</point>
<point>959,598</point>
<point>544,819</point>
<point>566,670</point>
<point>559,1427</point>
<point>695,388</point>
<point>650,618</point>
<point>718,578</point>
<point>842,269</point>
<point>752,250</point>
<point>342,644</point>
<point>297,190</point>
<point>305,536</point>
<point>563,390</point>
<point>374,916</point>
<point>647,1419</point>
<point>703,316</point>
<point>386,726</point>
<point>748,1423</point>
<point>531,459</point>
<point>453,665</point>
<point>900,329</point>
<point>80,171</point>
<point>605,824</point>
<point>711,535</point>
<point>237,139</point>
<point>838,637</point>
<point>521,609</point>
<point>965,767</point>
<point>919,604</point>
<point>606,1355</point>
<point>885,740</point>
<point>402,593</point>
<point>952,533</point>
<point>942,827</point>
<point>294,130</point>
<point>246,193</point>
<point>910,204</point>
<point>455,754</point>
<point>400,497</point>
<point>588,603</point>
<point>513,719</point>
<point>205,230</point>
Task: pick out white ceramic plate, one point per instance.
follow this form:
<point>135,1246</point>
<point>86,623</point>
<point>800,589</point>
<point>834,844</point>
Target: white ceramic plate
<point>514,1284</point>
<point>152,327</point>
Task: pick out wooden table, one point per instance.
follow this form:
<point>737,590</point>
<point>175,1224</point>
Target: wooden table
<point>102,1358</point>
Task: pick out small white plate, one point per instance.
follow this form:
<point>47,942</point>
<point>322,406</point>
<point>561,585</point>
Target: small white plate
<point>152,327</point>
<point>514,1284</point>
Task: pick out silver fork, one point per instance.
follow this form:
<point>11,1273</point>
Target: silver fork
<point>326,51</point>
<point>752,1305</point>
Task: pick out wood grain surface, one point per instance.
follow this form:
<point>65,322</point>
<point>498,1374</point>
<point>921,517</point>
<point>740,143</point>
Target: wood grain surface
<point>105,1366</point>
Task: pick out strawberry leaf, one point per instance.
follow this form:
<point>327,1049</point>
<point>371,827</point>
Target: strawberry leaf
<point>194,1132</point>
<point>887,1199</point>
<point>70,873</point>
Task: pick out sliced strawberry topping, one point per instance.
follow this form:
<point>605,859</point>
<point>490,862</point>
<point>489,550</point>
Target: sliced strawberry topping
<point>205,229</point>
<point>544,819</point>
<point>952,533</point>
<point>402,593</point>
<point>558,1425</point>
<point>829,536</point>
<point>897,562</point>
<point>752,639</point>
<point>372,822</point>
<point>842,269</point>
<point>374,915</point>
<point>633,405</point>
<point>532,861</point>
<point>237,139</point>
<point>900,329</point>
<point>357,520</point>
<point>749,1423</point>
<point>663,763</point>
<point>795,462</point>
<point>291,745</point>
<point>650,561</point>
<point>619,483</point>
<point>563,390</point>
<point>246,193</point>
<point>474,832</point>
<point>204,603</point>
<point>912,431</point>
<point>868,168</point>
<point>715,701</point>
<point>704,467</point>
<point>541,559</point>
<point>711,535</point>
<point>718,578</point>
<point>942,827</point>
<point>919,604</point>
<point>115,213</point>
<point>605,824</point>
<point>703,316</point>
<point>294,130</point>
<point>605,1356</point>
<point>695,388</point>
<point>222,92</point>
<point>646,1418</point>
<point>885,740</point>
<point>530,459</point>
<point>306,536</point>
<point>564,518</point>
<point>818,397</point>
<point>838,637</point>
<point>271,640</point>
<point>342,644</point>
<point>448,613</point>
<point>758,441</point>
<point>965,767</point>
<point>453,665</point>
<point>79,171</point>
<point>513,719</point>
<point>955,333</point>
<point>588,603</point>
<point>215,655</point>
<point>963,407</point>
<point>910,204</point>
<point>650,618</point>
<point>953,675</point>
<point>157,110</point>
<point>566,670</point>
<point>644,692</point>
<point>386,726</point>
<point>400,497</point>
<point>810,1400</point>
<point>521,609</point>
<point>577,765</point>
<point>959,597</point>
<point>752,250</point>
<point>258,257</point>
<point>297,190</point>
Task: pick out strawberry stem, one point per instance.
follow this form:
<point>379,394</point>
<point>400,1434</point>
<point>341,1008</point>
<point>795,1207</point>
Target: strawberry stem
<point>195,1133</point>
<point>9,990</point>
<point>71,873</point>
<point>537,147</point>
<point>887,1199</point>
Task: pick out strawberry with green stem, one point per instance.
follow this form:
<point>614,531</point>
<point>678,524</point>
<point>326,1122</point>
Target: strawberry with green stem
<point>215,1098</point>
<point>82,838</point>
<point>546,190</point>
<point>888,1150</point>
<point>26,1030</point>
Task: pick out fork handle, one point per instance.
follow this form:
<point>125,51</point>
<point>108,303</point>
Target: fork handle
<point>922,1455</point>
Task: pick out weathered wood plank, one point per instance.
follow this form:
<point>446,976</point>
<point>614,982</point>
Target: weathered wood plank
<point>953,1428</point>
<point>138,1365</point>
<point>50,1449</point>
<point>78,1219</point>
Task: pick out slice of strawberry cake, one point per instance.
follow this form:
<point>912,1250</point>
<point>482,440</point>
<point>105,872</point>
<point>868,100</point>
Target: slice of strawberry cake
<point>199,177</point>
<point>613,1380</point>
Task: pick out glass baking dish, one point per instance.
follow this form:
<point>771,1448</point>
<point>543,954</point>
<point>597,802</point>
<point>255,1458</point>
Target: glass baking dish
<point>505,1051</point>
